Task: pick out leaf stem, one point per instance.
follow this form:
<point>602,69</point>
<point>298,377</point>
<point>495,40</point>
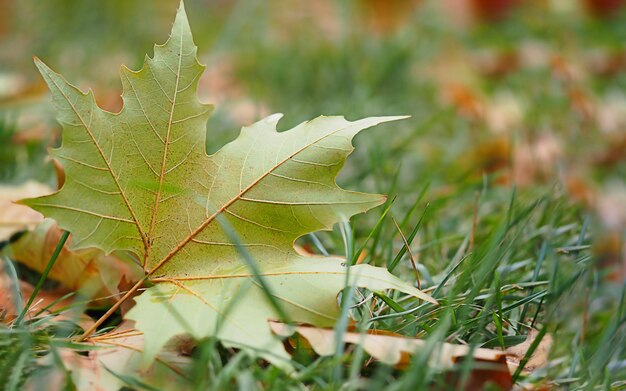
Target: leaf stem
<point>114,308</point>
<point>44,276</point>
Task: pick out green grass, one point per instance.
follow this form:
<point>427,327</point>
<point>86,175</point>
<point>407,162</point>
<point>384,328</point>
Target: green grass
<point>528,268</point>
<point>501,259</point>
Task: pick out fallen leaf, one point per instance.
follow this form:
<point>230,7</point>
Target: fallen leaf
<point>580,188</point>
<point>140,180</point>
<point>565,69</point>
<point>47,302</point>
<point>493,10</point>
<point>109,361</point>
<point>504,114</point>
<point>582,102</point>
<point>534,54</point>
<point>606,63</point>
<point>609,250</point>
<point>15,89</point>
<point>496,63</point>
<point>610,115</point>
<point>539,357</point>
<point>88,271</point>
<point>394,349</point>
<point>14,217</point>
<point>384,18</point>
<point>322,16</point>
<point>604,9</point>
<point>9,298</point>
<point>535,161</point>
<point>610,204</point>
<point>490,156</point>
<point>467,101</point>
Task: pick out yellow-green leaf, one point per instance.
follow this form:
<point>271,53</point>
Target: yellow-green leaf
<point>140,180</point>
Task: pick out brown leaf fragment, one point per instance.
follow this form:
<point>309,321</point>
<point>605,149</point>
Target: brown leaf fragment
<point>16,89</point>
<point>535,161</point>
<point>89,271</point>
<point>609,250</point>
<point>395,349</point>
<point>496,63</point>
<point>9,297</point>
<point>15,218</point>
<point>484,372</point>
<point>111,357</point>
<point>489,157</point>
<point>47,302</point>
<point>539,357</point>
<point>386,17</point>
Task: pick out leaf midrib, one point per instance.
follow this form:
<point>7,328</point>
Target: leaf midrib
<point>202,226</point>
<point>157,199</point>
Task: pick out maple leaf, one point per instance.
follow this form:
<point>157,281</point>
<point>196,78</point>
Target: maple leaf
<point>140,180</point>
<point>114,363</point>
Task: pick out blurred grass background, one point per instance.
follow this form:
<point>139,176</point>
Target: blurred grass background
<point>503,94</point>
<point>530,92</point>
<point>533,90</point>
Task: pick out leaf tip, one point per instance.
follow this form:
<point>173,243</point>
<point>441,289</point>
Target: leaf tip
<point>394,118</point>
<point>23,201</point>
<point>181,20</point>
<point>41,66</point>
<point>423,296</point>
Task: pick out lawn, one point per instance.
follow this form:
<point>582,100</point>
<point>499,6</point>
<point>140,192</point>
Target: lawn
<point>506,196</point>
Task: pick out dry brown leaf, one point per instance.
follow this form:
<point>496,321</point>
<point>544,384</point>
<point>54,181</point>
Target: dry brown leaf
<point>493,10</point>
<point>50,301</point>
<point>219,84</point>
<point>539,357</point>
<point>384,17</point>
<point>492,63</point>
<point>8,295</point>
<point>565,70</point>
<point>294,15</point>
<point>608,203</point>
<point>605,63</point>
<point>534,54</point>
<point>614,153</point>
<point>580,188</point>
<point>470,13</point>
<point>535,161</point>
<point>15,218</point>
<point>604,9</point>
<point>119,351</point>
<point>609,250</point>
<point>15,89</point>
<point>504,114</point>
<point>465,100</point>
<point>611,205</point>
<point>37,133</point>
<point>582,102</point>
<point>89,271</point>
<point>490,156</point>
<point>394,349</point>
